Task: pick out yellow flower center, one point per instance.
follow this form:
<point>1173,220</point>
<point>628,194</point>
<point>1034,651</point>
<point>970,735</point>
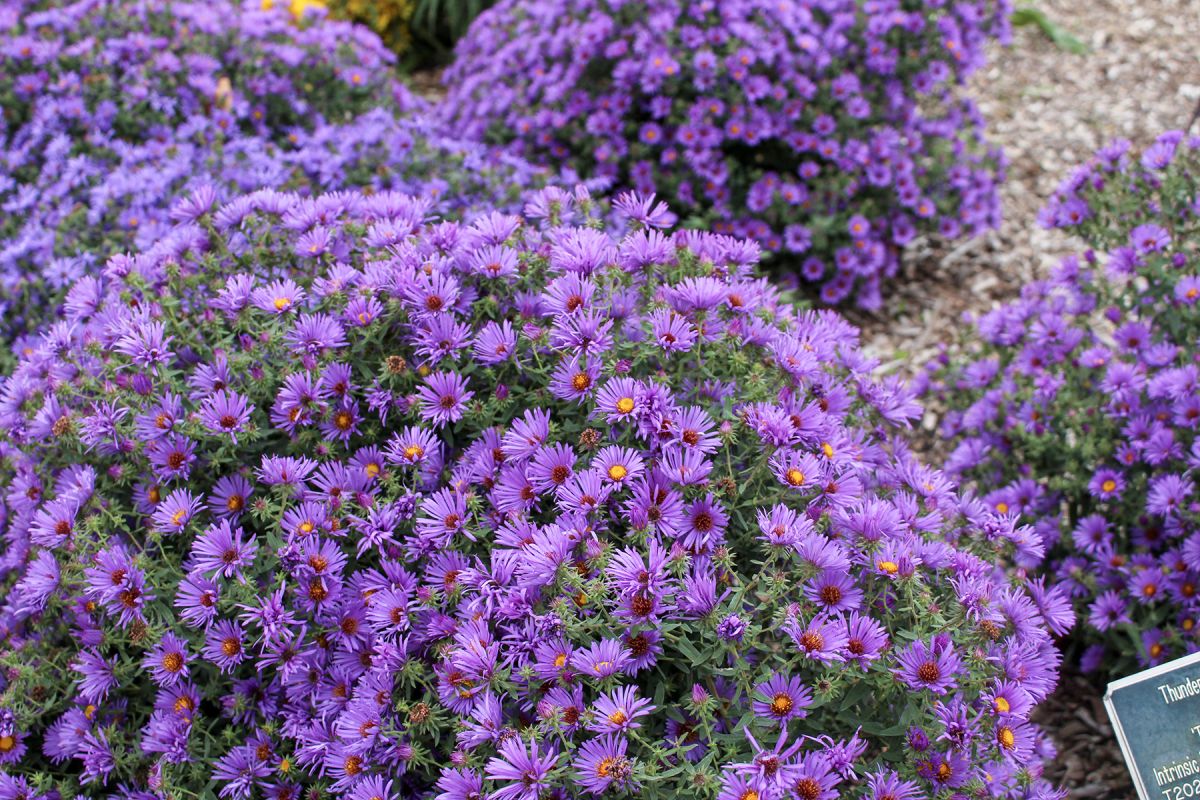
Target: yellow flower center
<point>795,477</point>
<point>282,303</point>
<point>1006,737</point>
<point>890,567</point>
<point>1002,705</point>
<point>617,472</point>
<point>625,405</point>
<point>1109,485</point>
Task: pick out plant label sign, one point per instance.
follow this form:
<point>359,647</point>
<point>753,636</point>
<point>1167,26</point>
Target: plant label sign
<point>1156,716</point>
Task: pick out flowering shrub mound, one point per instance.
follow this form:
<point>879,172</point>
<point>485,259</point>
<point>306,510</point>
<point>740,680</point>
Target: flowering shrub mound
<point>330,494</point>
<point>1077,410</point>
<point>831,131</point>
<point>109,125</point>
<point>99,70</point>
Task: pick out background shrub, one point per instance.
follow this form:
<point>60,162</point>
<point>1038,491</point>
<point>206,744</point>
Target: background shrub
<point>832,132</point>
<point>327,493</point>
<point>1076,407</point>
<point>114,111</point>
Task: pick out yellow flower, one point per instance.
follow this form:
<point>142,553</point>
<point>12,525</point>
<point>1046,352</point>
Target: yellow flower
<point>388,18</point>
<point>297,7</point>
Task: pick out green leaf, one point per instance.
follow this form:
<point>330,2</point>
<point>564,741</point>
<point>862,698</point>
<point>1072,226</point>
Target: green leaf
<point>1061,38</point>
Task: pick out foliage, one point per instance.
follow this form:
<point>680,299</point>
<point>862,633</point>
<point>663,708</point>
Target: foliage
<point>1059,36</point>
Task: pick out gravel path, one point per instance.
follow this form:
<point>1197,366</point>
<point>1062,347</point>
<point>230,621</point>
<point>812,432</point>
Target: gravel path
<point>1050,110</point>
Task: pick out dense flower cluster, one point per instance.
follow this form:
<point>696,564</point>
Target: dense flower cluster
<point>327,493</point>
<point>830,130</point>
<point>1078,409</point>
<point>117,109</point>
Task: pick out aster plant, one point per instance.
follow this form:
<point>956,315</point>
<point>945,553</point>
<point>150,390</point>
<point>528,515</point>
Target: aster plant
<point>832,132</point>
<point>1075,407</point>
<point>328,495</point>
<point>116,110</point>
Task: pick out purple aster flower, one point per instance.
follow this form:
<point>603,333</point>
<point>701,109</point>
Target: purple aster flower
<point>229,496</point>
<point>524,772</point>
<point>460,784</point>
<point>573,380</point>
<point>96,678</point>
<point>886,784</point>
<point>411,446</point>
<point>1168,493</point>
<point>618,465</point>
<point>781,698</point>
<point>618,711</point>
<point>731,628</point>
<point>495,343</point>
<point>223,645</point>
<point>932,667</point>
<point>278,297</point>
<point>603,658</point>
<point>1149,238</point>
<point>673,333</point>
<point>146,344</point>
<point>822,639</point>
<point>1187,290</point>
<point>443,397</point>
<point>834,590</point>
<point>220,550</point>
<point>197,600</point>
<point>285,470</point>
<point>601,764</point>
<point>1106,484</point>
<point>866,639</point>
<point>167,660</point>
<point>97,757</point>
<point>175,511</point>
<point>172,456</point>
<point>225,412</point>
<point>1107,610</point>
